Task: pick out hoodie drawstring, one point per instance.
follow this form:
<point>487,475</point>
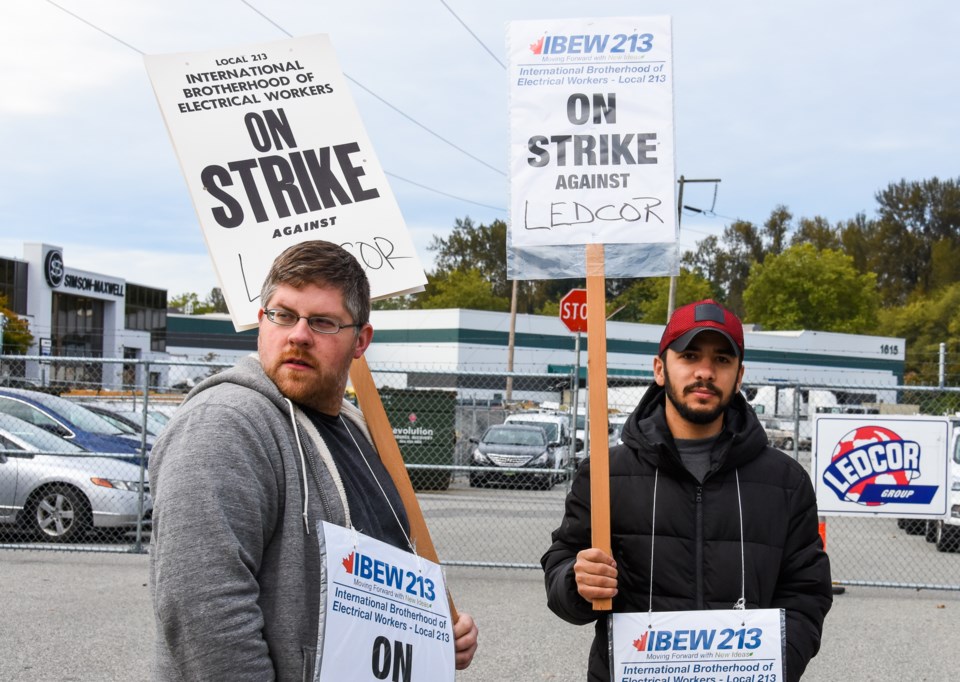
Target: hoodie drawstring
<point>303,466</point>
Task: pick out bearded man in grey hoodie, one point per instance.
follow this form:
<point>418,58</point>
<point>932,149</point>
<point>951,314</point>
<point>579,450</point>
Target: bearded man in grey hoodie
<point>255,457</point>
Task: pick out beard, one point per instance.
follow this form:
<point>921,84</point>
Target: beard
<point>321,390</point>
<point>694,415</point>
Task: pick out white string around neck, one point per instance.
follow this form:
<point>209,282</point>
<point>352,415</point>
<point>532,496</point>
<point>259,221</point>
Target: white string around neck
<point>410,543</point>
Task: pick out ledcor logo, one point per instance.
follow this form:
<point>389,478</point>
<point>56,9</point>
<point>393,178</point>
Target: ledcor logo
<point>873,466</point>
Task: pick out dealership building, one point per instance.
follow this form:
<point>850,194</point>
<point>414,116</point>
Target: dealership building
<point>467,350</point>
<point>79,314</point>
<point>75,313</point>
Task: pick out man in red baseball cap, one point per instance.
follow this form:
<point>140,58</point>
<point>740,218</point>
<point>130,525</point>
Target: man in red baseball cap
<point>734,519</point>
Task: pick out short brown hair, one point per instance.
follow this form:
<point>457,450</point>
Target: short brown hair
<point>323,264</point>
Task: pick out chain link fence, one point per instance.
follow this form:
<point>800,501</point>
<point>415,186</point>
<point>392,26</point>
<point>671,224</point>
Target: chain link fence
<point>490,454</point>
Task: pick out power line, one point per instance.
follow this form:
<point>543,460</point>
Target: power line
<point>280,28</point>
<point>371,92</point>
<point>452,196</point>
<point>95,27</point>
<point>482,44</point>
<point>413,120</point>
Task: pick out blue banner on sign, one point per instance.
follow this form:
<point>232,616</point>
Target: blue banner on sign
<point>902,494</point>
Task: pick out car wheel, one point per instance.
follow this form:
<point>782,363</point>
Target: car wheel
<point>931,532</point>
<point>787,444</point>
<point>59,513</point>
<point>946,539</point>
<point>538,482</point>
<point>915,527</point>
<point>477,481</point>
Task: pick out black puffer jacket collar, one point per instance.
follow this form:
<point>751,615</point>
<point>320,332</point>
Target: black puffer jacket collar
<point>646,433</point>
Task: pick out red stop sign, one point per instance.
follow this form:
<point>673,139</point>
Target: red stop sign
<point>573,310</point>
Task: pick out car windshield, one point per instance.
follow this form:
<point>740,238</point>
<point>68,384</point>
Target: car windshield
<point>551,428</point>
<point>154,425</point>
<point>532,437</point>
<point>17,431</point>
<point>79,416</point>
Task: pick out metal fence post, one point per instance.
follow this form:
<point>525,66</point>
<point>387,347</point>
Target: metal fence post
<point>145,375</point>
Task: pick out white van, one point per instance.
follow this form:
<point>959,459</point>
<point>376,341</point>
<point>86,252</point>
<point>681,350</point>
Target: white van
<point>772,401</point>
<point>557,427</point>
<point>946,533</point>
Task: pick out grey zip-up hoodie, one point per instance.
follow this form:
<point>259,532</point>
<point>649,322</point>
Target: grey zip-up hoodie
<point>235,571</point>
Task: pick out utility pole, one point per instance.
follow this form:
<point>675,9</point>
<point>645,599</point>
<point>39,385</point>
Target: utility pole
<point>672,296</point>
<point>510,343</point>
<point>3,324</point>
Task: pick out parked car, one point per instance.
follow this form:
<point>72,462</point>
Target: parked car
<point>128,421</point>
<point>69,421</point>
<point>515,446</point>
<point>945,533</point>
<point>56,491</point>
<point>557,427</point>
<point>616,427</point>
<point>581,433</point>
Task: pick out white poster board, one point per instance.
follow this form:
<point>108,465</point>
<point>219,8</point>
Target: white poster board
<point>591,132</point>
<point>274,152</point>
<point>871,465</point>
<point>387,615</point>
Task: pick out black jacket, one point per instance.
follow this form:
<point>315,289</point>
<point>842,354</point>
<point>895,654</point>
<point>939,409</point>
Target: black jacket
<point>697,557</point>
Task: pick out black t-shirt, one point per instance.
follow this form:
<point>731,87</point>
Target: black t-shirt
<point>697,454</point>
<point>369,510</point>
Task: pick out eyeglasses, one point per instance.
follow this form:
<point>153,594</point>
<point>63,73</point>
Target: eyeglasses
<point>318,323</point>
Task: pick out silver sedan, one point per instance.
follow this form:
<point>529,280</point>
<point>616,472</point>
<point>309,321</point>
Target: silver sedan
<point>56,491</point>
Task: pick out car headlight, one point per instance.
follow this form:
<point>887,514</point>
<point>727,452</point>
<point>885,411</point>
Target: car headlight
<point>480,458</point>
<point>540,461</point>
<point>131,486</point>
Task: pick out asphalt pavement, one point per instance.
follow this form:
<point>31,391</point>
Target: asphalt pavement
<point>75,616</point>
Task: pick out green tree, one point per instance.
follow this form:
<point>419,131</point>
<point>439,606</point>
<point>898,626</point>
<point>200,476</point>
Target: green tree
<point>186,302</point>
<point>462,289</point>
<point>646,299</point>
<point>189,303</point>
<point>816,231</point>
<point>807,288</point>
<point>913,218</point>
<point>925,323</point>
<point>474,247</point>
<point>726,262</point>
<point>483,248</point>
<point>855,240</point>
<point>16,332</point>
<point>216,302</point>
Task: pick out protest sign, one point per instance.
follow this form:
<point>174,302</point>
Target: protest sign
<point>591,132</point>
<point>386,614</point>
<point>592,164</point>
<point>721,644</point>
<point>274,152</point>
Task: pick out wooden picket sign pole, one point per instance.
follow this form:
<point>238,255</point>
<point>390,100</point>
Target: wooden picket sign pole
<point>597,379</point>
<point>386,444</point>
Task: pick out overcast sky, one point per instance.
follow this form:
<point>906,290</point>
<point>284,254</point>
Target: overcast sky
<point>815,105</point>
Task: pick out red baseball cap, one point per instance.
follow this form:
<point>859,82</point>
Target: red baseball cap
<point>693,318</point>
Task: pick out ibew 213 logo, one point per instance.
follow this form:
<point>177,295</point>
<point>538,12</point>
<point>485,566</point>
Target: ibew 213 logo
<point>873,466</point>
<point>726,639</point>
<point>383,573</point>
<point>602,43</point>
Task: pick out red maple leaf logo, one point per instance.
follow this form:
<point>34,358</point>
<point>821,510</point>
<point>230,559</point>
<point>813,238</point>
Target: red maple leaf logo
<point>348,563</point>
<point>537,47</point>
<point>641,644</point>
